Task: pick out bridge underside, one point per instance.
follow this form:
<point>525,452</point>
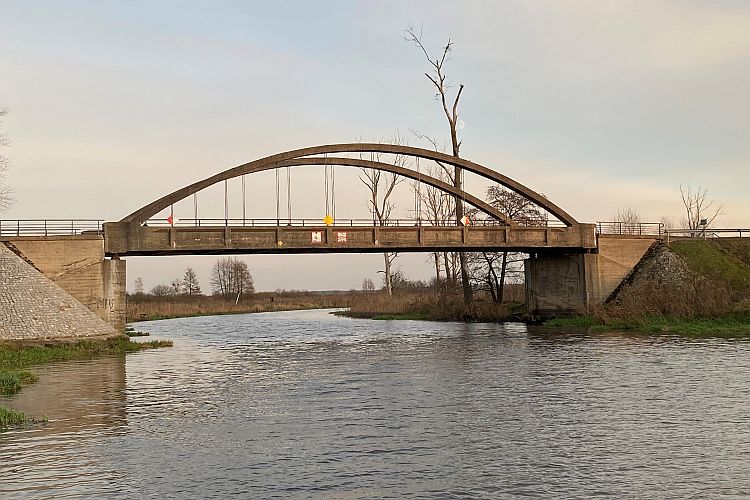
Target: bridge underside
<point>123,239</point>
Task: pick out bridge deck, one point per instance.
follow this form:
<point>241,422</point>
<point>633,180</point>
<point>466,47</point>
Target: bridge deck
<point>132,239</point>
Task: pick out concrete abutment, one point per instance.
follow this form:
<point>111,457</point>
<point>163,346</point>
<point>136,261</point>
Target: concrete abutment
<point>565,283</point>
<point>77,264</point>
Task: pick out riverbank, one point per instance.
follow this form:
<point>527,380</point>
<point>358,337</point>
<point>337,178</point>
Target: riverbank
<point>693,288</point>
<point>732,325</point>
<point>431,306</point>
<point>148,308</point>
<point>14,357</point>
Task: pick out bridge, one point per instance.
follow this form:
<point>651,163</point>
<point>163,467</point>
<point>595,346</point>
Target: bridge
<point>136,234</point>
<point>571,264</point>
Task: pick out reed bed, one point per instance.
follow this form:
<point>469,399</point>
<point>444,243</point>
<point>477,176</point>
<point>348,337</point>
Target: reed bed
<point>428,306</point>
<point>149,308</point>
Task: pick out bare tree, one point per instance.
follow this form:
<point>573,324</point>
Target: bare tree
<point>6,195</point>
<point>628,221</point>
<point>438,208</point>
<point>161,290</point>
<point>176,286</point>
<point>438,78</point>
<point>666,222</point>
<point>381,185</point>
<point>231,278</point>
<point>491,269</point>
<point>368,285</point>
<point>700,212</point>
<point>138,288</point>
<point>190,285</point>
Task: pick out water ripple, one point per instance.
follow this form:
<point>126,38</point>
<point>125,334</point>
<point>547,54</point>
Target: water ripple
<point>303,404</point>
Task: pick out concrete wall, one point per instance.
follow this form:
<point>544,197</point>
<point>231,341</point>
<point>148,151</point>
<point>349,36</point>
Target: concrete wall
<point>560,283</point>
<point>115,284</point>
<point>77,265</point>
<point>613,263</point>
<point>33,307</point>
<point>555,284</point>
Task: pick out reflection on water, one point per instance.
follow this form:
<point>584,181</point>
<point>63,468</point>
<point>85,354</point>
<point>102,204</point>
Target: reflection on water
<point>84,402</point>
<point>303,404</point>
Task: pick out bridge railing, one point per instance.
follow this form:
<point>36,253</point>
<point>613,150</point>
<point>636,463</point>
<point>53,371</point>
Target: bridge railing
<point>706,233</point>
<point>630,228</point>
<point>49,227</point>
<point>184,223</point>
<point>658,229</point>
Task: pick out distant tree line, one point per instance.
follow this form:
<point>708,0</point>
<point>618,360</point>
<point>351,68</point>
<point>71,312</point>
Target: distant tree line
<point>230,279</point>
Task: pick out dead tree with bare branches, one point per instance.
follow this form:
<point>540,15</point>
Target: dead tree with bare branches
<point>491,269</point>
<point>438,78</point>
<point>628,221</point>
<point>700,211</point>
<point>381,185</point>
<point>439,210</point>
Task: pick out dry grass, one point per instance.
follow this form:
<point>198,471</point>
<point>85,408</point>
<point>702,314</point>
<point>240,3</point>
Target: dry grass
<point>427,305</point>
<point>705,281</point>
<point>149,308</point>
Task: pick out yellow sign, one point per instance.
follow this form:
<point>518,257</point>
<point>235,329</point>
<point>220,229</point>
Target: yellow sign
<point>328,220</point>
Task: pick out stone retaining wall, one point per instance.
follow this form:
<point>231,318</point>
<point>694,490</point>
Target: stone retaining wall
<point>33,307</point>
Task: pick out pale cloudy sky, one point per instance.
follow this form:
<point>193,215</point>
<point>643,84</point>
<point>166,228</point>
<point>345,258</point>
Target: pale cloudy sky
<point>598,104</point>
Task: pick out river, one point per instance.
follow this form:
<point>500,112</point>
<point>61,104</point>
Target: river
<point>304,404</point>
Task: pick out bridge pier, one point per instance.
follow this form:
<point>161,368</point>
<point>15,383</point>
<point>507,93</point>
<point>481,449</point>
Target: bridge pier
<point>556,284</point>
<point>77,264</point>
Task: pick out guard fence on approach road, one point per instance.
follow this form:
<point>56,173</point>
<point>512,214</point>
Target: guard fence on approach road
<point>50,227</point>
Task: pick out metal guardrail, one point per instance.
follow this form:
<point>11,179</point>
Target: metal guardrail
<point>658,229</point>
<point>631,228</point>
<point>49,227</point>
<point>706,233</point>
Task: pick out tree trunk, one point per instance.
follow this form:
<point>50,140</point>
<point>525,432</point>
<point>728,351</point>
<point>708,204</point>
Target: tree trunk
<point>388,288</point>
<point>436,257</point>
<point>503,266</point>
<point>491,282</point>
<point>495,291</point>
<point>468,293</point>
<point>449,277</point>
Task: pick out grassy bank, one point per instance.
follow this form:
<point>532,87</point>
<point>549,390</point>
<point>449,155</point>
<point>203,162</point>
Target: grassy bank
<point>11,382</point>
<point>15,357</point>
<point>732,325</point>
<point>10,418</point>
<point>725,261</point>
<point>427,305</point>
<point>692,287</point>
<point>146,308</point>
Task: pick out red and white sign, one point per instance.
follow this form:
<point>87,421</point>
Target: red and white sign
<point>465,220</point>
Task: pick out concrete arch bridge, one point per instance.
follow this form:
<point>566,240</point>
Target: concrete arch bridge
<point>137,235</point>
<point>570,265</point>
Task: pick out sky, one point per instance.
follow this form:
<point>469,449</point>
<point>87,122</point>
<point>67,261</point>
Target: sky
<point>601,105</point>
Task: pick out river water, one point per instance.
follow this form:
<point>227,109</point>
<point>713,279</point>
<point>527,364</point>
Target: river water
<point>304,404</point>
